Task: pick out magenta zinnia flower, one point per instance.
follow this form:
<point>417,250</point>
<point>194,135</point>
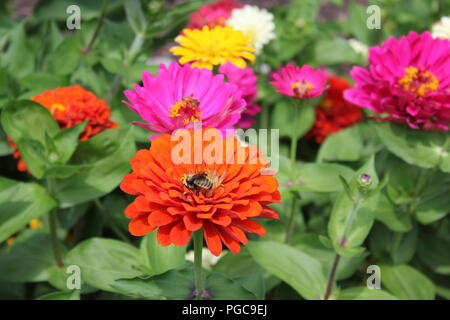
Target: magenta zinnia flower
<point>299,82</point>
<point>179,96</point>
<point>213,14</point>
<point>247,82</point>
<point>408,79</point>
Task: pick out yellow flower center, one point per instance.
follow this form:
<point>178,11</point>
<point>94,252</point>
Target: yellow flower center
<point>418,82</point>
<point>301,88</point>
<point>57,106</point>
<point>187,110</point>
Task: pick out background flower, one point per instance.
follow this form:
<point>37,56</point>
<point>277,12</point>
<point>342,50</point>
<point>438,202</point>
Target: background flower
<point>334,113</point>
<point>255,22</point>
<point>71,106</point>
<point>299,82</point>
<point>245,79</point>
<point>407,79</point>
<point>207,47</point>
<point>213,14</point>
<point>225,215</point>
<point>441,29</point>
<point>180,95</point>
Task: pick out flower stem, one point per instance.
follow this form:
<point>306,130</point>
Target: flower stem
<point>54,238</point>
<point>332,276</point>
<point>290,226</point>
<point>97,28</point>
<point>198,247</point>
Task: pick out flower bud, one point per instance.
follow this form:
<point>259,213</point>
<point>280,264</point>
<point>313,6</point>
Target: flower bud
<point>364,182</point>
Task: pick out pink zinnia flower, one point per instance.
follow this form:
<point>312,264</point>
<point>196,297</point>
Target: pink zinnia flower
<point>213,14</point>
<point>247,82</point>
<point>408,79</point>
<point>299,82</point>
<point>179,96</point>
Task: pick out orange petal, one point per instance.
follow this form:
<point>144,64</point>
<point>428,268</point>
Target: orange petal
<point>250,226</point>
<point>192,223</point>
<point>131,211</point>
<point>180,235</point>
<point>231,244</point>
<point>160,218</point>
<point>139,226</point>
<point>212,238</point>
<point>163,235</point>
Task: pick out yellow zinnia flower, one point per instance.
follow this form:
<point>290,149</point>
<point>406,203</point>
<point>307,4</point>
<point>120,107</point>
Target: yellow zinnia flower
<point>210,47</point>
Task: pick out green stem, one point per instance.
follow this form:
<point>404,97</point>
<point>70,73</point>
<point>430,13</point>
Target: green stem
<point>332,276</point>
<point>54,239</point>
<point>349,219</point>
<point>97,28</point>
<point>294,142</point>
<point>290,226</point>
<point>265,116</point>
<point>198,247</point>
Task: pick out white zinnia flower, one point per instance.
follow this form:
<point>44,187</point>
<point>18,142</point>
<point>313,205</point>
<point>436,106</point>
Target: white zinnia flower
<point>208,259</point>
<point>255,22</point>
<point>441,29</point>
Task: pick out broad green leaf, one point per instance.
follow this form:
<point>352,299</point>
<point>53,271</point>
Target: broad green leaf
<point>173,284</point>
<point>434,253</point>
<point>102,261</point>
<point>62,295</point>
<point>407,283</point>
<point>66,141</point>
<point>298,269</point>
<point>395,247</point>
<point>358,22</point>
<point>219,287</point>
<point>66,57</point>
<point>21,202</point>
<point>363,293</point>
<point>107,159</point>
<point>282,118</point>
<point>158,259</point>
<point>426,149</point>
<point>28,259</point>
<point>5,149</point>
<point>29,124</point>
<point>342,146</point>
<point>322,177</point>
<point>19,59</point>
<point>43,81</point>
<point>306,10</point>
<point>334,51</point>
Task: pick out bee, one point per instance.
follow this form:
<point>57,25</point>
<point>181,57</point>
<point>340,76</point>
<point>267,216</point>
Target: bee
<point>202,182</point>
<point>192,101</point>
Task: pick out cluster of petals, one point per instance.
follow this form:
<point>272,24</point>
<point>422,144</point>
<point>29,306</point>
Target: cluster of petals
<point>71,106</point>
<point>179,96</point>
<point>299,82</point>
<point>407,81</point>
<point>334,113</point>
<point>245,79</point>
<point>224,214</point>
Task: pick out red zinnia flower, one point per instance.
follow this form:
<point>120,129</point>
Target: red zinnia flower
<point>213,14</point>
<point>167,199</point>
<point>70,106</point>
<point>334,113</point>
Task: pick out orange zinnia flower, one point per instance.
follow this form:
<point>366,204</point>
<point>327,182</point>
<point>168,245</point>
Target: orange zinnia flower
<point>70,106</point>
<point>170,201</point>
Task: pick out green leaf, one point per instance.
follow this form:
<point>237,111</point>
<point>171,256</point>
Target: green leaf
<point>407,283</point>
<point>363,293</point>
<point>392,217</point>
<point>43,81</point>
<point>29,124</point>
<point>18,59</point>
<point>106,158</point>
<point>282,119</point>
<point>62,295</point>
<point>298,269</point>
<point>173,284</point>
<point>158,259</point>
<point>5,149</point>
<point>66,141</point>
<point>323,177</point>
<point>334,51</point>
<point>434,253</point>
<point>395,247</point>
<point>306,10</point>
<point>426,149</point>
<point>21,202</point>
<point>102,261</point>
<point>67,55</point>
<point>350,223</point>
<point>28,259</point>
<point>358,22</point>
<point>219,287</point>
<point>135,16</point>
